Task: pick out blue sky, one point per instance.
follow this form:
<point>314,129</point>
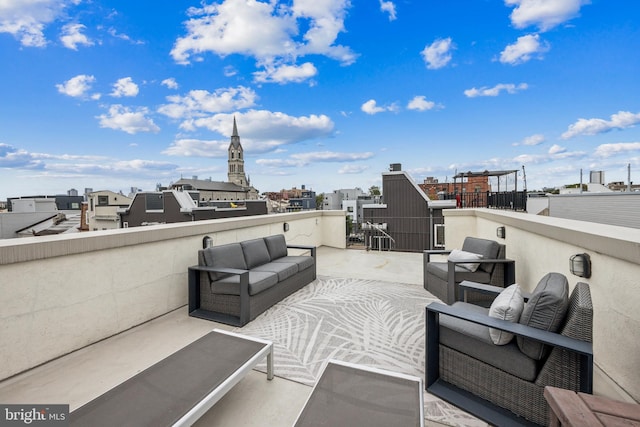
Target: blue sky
<point>326,93</point>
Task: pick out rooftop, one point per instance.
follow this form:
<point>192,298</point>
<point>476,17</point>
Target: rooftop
<point>84,312</point>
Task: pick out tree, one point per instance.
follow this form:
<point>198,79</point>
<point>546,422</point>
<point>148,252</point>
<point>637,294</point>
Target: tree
<point>374,190</point>
<point>319,201</point>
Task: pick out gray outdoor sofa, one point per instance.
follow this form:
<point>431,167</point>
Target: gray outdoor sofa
<point>236,282</point>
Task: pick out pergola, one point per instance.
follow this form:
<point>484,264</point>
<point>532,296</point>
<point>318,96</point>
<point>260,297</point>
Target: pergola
<point>487,173</point>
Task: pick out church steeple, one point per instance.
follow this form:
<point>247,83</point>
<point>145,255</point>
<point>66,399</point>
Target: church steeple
<point>236,159</point>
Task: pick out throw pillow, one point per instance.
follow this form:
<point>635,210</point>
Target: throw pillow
<point>458,255</point>
<point>507,306</point>
<point>545,310</point>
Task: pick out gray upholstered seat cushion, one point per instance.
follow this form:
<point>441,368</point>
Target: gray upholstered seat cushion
<point>224,256</point>
<point>258,282</point>
<point>440,270</point>
<point>474,340</point>
<point>255,252</point>
<point>546,309</point>
<point>284,270</point>
<point>277,246</point>
<point>303,262</point>
<point>485,247</point>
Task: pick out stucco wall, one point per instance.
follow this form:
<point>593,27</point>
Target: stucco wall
<point>61,293</point>
<point>541,244</point>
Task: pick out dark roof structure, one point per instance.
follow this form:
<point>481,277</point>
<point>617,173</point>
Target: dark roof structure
<point>208,185</point>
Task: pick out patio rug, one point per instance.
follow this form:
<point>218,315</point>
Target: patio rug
<point>369,322</point>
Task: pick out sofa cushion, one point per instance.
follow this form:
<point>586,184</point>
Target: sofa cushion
<point>458,255</point>
<point>474,340</point>
<point>258,282</point>
<point>545,310</point>
<point>277,246</point>
<point>284,270</point>
<point>303,262</point>
<point>487,248</point>
<point>508,305</point>
<point>440,270</point>
<point>224,256</point>
<point>255,252</point>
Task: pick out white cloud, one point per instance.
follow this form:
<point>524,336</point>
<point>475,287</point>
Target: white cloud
<point>545,14</point>
<point>371,107</point>
<point>303,159</point>
<point>330,156</point>
<point>170,83</point>
<point>608,150</point>
<point>198,148</point>
<point>27,19</point>
<point>124,87</point>
<point>286,73</point>
<point>390,8</point>
<point>114,33</point>
<point>420,103</point>
<point>352,169</point>
<point>523,50</point>
<point>532,140</point>
<point>620,120</point>
<point>438,53</point>
<point>124,119</point>
<point>268,31</point>
<point>199,103</point>
<point>556,149</point>
<point>72,36</point>
<point>76,86</point>
<point>263,131</point>
<point>495,91</point>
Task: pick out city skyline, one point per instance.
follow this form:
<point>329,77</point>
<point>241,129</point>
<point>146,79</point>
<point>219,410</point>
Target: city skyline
<point>326,93</point>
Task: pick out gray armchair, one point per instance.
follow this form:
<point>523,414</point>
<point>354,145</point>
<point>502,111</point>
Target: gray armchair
<point>441,278</point>
<point>504,384</point>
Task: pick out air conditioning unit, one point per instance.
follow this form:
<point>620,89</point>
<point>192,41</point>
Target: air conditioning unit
<point>438,235</point>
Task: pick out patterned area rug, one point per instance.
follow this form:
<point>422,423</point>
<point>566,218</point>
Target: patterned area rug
<point>368,322</point>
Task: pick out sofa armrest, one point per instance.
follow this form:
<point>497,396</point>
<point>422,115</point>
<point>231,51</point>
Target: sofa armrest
<point>218,269</point>
<point>427,254</point>
<point>194,291</point>
<point>467,285</point>
<point>312,249</point>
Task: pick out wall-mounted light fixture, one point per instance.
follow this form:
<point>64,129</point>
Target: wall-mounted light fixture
<point>285,227</point>
<point>501,232</point>
<point>580,265</point>
<point>207,242</point>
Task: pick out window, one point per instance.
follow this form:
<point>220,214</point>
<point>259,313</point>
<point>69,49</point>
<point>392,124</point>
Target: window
<point>103,200</point>
<point>438,233</point>
<point>154,202</point>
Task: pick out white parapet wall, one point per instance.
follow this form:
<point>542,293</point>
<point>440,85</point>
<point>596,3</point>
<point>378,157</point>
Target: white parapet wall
<point>61,293</point>
<point>542,244</point>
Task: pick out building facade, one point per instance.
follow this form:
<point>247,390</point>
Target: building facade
<point>102,209</point>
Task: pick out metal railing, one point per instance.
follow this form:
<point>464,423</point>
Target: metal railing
<point>511,200</point>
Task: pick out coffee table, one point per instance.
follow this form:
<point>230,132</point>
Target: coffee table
<point>354,395</point>
<point>181,388</point>
<point>572,409</point>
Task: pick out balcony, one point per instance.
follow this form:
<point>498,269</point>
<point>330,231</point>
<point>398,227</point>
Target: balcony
<point>82,313</point>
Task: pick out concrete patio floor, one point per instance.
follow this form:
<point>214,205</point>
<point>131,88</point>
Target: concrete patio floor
<point>87,373</point>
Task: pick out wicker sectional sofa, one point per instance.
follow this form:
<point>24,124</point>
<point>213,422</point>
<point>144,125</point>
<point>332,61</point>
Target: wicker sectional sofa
<point>236,282</point>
